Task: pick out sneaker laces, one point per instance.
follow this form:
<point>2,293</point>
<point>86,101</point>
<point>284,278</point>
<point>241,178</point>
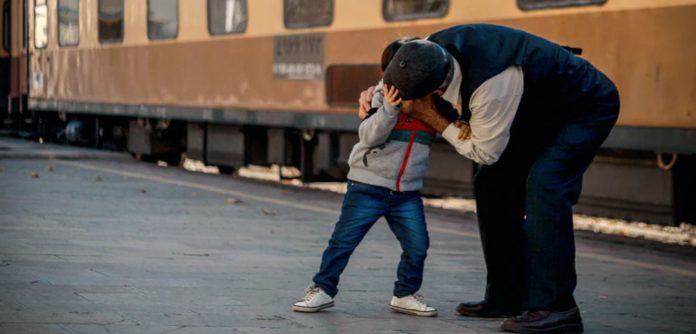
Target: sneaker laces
<point>311,291</point>
<point>419,298</point>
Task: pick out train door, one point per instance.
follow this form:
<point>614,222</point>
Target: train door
<point>41,58</point>
<point>13,63</point>
<point>5,29</point>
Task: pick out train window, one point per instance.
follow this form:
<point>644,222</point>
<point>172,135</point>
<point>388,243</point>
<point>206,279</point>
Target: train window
<point>345,82</point>
<point>68,22</point>
<point>308,13</point>
<point>6,26</point>
<point>227,16</point>
<point>40,24</point>
<point>162,19</point>
<point>542,4</point>
<point>110,21</point>
<point>401,10</point>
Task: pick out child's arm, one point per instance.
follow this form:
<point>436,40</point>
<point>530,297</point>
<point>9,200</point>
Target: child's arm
<point>376,128</point>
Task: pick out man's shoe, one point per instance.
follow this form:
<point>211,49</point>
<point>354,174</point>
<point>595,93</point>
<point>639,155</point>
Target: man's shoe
<point>483,309</point>
<point>314,300</point>
<point>413,305</point>
<point>565,322</point>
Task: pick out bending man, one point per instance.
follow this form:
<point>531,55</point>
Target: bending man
<point>537,115</point>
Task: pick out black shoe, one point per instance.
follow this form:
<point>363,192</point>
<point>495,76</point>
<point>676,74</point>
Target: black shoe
<point>483,309</point>
<point>532,322</point>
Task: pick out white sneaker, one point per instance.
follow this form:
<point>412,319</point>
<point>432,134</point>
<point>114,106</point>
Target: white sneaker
<point>314,300</point>
<point>413,305</point>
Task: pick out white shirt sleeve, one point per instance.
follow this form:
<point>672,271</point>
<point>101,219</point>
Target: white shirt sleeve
<point>493,108</point>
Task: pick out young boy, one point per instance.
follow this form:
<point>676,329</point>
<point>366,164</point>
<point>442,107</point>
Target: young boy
<point>386,173</point>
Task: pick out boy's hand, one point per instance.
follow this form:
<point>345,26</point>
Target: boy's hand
<point>391,95</point>
<point>464,130</point>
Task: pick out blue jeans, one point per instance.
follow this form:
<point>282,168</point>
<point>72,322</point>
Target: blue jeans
<point>363,205</point>
<point>524,206</point>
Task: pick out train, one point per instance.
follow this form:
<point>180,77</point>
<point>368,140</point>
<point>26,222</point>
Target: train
<point>235,83</point>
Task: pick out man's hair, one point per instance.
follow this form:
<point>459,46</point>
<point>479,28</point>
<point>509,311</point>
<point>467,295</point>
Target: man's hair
<point>391,49</point>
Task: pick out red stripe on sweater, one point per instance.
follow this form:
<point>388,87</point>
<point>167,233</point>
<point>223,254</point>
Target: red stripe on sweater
<point>407,122</point>
<point>405,162</point>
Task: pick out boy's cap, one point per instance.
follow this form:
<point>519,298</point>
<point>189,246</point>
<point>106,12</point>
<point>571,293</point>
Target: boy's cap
<point>418,68</point>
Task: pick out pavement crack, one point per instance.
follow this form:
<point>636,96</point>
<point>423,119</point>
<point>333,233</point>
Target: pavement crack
<point>191,254</point>
<point>66,329</point>
<point>81,296</point>
<point>281,318</point>
<point>99,272</point>
<point>174,330</point>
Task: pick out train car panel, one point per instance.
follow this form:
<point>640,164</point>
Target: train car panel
<point>5,35</point>
<point>13,57</point>
<point>217,73</point>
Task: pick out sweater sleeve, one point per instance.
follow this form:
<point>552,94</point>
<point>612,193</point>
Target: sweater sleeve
<point>375,130</point>
<point>493,108</point>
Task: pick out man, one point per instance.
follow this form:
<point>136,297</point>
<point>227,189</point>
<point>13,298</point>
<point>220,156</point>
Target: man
<point>537,115</point>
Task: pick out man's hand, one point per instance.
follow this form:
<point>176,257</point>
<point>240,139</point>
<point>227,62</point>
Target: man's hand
<point>464,130</point>
<point>365,102</point>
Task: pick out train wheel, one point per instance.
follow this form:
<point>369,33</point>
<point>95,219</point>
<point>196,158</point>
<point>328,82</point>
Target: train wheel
<point>227,170</point>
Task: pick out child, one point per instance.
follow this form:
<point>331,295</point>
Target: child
<point>386,173</point>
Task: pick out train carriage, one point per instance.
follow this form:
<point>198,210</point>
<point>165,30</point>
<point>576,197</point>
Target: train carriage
<point>237,82</point>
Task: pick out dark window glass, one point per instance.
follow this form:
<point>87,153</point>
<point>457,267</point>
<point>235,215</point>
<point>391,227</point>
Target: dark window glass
<point>399,10</point>
<point>110,21</point>
<point>541,4</point>
<point>40,24</point>
<point>162,19</point>
<point>226,16</point>
<point>6,26</point>
<point>308,13</point>
<point>68,22</point>
<point>345,82</point>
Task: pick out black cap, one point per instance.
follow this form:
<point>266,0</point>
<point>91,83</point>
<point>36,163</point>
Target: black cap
<point>418,68</point>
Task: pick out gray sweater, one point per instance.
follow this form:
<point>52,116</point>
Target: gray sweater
<point>393,150</point>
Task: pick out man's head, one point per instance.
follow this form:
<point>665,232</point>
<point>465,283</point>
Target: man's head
<point>419,68</point>
<point>391,49</point>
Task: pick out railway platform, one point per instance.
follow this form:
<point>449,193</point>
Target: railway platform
<point>96,242</point>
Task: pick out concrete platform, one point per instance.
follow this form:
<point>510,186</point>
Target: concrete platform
<point>90,244</point>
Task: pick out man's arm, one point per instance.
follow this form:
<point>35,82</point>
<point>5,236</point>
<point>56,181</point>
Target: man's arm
<point>446,109</point>
<point>424,109</point>
<point>493,108</point>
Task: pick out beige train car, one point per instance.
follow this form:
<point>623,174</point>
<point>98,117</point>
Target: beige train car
<point>13,57</point>
<point>645,46</point>
<point>270,81</point>
<point>5,31</point>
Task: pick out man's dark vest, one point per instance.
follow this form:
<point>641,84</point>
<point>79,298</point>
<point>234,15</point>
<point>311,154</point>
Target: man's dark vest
<point>553,76</point>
